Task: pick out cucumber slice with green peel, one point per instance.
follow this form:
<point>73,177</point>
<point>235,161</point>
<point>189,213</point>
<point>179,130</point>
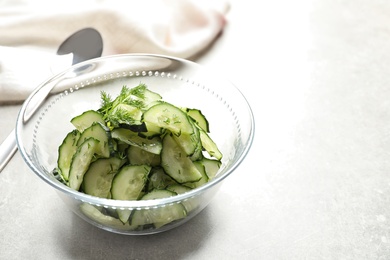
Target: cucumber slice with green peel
<point>129,182</point>
<point>66,151</point>
<point>158,179</point>
<point>128,185</point>
<point>186,142</point>
<point>198,154</point>
<point>151,96</point>
<point>211,167</point>
<point>86,119</point>
<point>190,142</point>
<point>81,161</point>
<point>124,214</point>
<point>158,194</point>
<point>95,214</point>
<point>202,180</point>
<point>178,188</point>
<point>209,145</point>
<point>151,131</point>
<point>189,204</point>
<point>199,118</point>
<point>153,145</point>
<point>138,156</point>
<point>158,216</point>
<point>176,163</point>
<point>168,116</point>
<point>98,179</point>
<point>100,133</point>
<point>148,97</point>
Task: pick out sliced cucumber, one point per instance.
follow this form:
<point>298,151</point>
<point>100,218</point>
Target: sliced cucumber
<point>158,179</point>
<point>128,185</point>
<point>202,180</point>
<point>197,155</point>
<point>199,118</point>
<point>129,182</point>
<point>138,146</point>
<point>97,180</point>
<point>95,214</point>
<point>209,145</point>
<point>211,167</point>
<point>149,97</point>
<point>66,151</point>
<point>138,156</point>
<point>176,163</point>
<point>190,142</point>
<point>158,216</point>
<point>189,204</point>
<point>170,117</point>
<point>150,145</point>
<point>178,188</point>
<point>151,131</point>
<point>86,119</point>
<point>81,161</point>
<point>100,133</point>
<point>124,214</point>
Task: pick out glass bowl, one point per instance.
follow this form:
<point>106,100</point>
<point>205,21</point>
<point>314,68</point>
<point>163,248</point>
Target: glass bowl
<point>44,121</point>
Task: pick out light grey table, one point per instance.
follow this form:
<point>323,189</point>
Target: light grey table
<point>316,184</point>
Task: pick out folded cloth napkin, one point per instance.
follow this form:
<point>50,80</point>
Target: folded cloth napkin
<point>31,31</point>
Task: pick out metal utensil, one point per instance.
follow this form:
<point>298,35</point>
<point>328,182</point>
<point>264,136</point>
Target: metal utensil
<point>84,44</point>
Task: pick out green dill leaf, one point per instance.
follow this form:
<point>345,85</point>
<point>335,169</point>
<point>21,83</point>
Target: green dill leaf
<point>121,110</point>
<point>136,103</point>
<point>139,91</point>
<point>106,101</point>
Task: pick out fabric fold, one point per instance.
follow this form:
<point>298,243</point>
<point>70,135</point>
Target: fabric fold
<point>30,32</point>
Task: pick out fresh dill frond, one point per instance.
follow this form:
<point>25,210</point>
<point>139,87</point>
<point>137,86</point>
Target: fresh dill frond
<point>106,101</point>
<point>125,91</point>
<point>139,91</point>
<point>125,107</point>
<point>121,116</point>
<point>136,103</point>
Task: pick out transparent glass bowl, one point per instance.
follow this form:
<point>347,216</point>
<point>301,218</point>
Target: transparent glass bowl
<point>44,120</point>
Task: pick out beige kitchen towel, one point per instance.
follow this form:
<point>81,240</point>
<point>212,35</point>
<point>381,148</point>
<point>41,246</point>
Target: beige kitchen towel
<point>31,31</point>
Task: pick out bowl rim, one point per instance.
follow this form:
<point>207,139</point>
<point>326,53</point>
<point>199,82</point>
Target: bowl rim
<point>135,204</point>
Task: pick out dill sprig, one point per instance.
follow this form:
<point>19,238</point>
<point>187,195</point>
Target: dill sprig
<point>121,116</point>
<point>106,102</point>
<point>123,109</point>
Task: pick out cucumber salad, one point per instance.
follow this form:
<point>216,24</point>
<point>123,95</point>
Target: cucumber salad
<point>137,147</point>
